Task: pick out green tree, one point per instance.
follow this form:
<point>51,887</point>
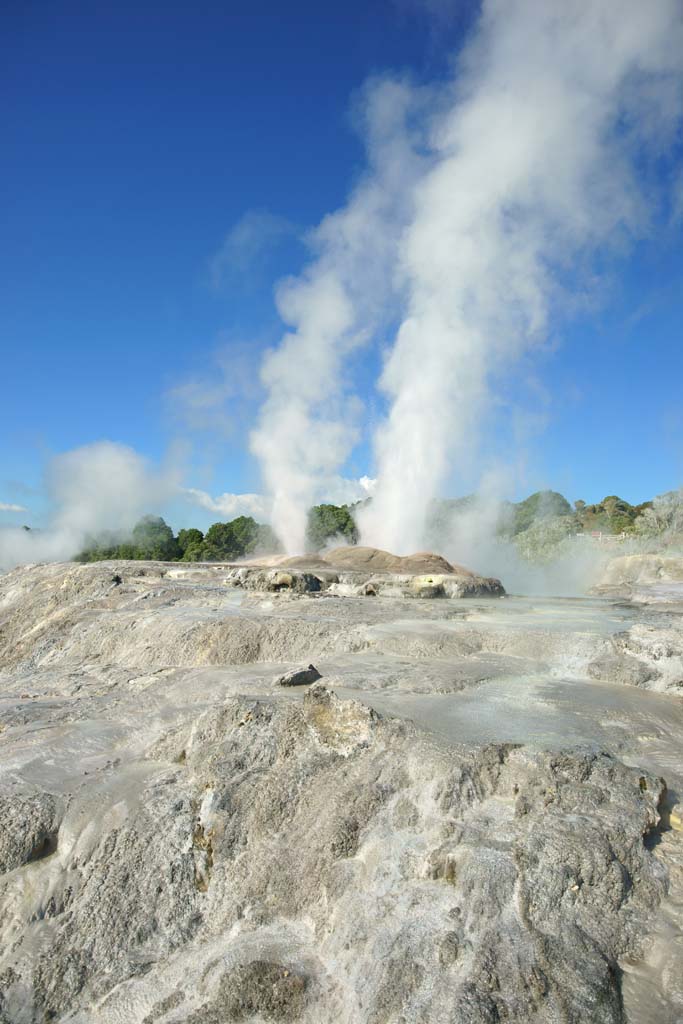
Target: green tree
<point>227,541</point>
<point>611,515</point>
<point>662,516</point>
<point>127,551</point>
<point>219,542</point>
<point>326,522</point>
<point>187,539</point>
<point>153,538</point>
<point>246,534</point>
<point>545,540</point>
<point>195,553</point>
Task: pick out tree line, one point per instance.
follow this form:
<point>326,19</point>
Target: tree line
<point>152,538</point>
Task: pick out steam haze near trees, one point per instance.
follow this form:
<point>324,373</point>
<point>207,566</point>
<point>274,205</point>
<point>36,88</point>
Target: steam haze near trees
<point>97,488</point>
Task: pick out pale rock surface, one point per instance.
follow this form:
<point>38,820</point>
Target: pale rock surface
<point>650,653</point>
<point>627,571</point>
<point>356,571</point>
<point>464,821</point>
<point>376,560</point>
<point>298,677</point>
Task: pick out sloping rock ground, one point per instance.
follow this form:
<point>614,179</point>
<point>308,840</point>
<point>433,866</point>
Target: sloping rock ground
<point>163,616</point>
<point>651,652</point>
<point>318,843</point>
<point>628,571</point>
<point>180,844</point>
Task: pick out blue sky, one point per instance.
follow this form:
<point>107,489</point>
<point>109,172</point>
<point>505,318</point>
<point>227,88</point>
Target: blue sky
<point>160,166</point>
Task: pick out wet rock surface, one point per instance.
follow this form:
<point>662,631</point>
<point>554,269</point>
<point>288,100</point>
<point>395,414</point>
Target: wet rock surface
<point>464,820</point>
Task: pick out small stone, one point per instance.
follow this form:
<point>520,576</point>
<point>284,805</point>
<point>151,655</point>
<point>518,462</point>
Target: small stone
<point>298,677</point>
<point>449,948</point>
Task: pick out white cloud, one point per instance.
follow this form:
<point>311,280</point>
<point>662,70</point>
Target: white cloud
<point>248,244</point>
<point>9,507</point>
<point>214,399</point>
<point>232,505</point>
<point>341,490</point>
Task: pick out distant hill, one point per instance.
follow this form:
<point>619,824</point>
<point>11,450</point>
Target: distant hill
<point>612,515</point>
<point>519,516</point>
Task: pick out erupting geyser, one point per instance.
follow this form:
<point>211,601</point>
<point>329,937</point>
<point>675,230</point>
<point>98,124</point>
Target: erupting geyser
<point>484,201</point>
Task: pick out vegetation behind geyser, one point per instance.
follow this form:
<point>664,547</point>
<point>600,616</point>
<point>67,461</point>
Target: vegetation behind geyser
<point>540,530</point>
<point>153,539</point>
<point>540,524</point>
<point>545,546</point>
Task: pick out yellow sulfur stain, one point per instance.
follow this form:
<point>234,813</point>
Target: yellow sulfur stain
<point>676,822</point>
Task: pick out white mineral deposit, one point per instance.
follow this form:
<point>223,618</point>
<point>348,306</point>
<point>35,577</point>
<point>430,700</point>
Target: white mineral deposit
<point>470,816</point>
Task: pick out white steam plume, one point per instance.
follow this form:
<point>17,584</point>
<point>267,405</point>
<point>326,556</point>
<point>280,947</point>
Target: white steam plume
<point>534,167</point>
<point>307,425</point>
<point>529,164</point>
<point>99,487</point>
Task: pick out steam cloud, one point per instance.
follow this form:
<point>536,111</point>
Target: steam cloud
<point>308,424</point>
<point>101,486</point>
<point>482,198</point>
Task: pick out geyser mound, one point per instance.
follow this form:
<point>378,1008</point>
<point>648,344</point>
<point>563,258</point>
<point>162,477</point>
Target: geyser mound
<point>359,558</point>
<point>357,570</point>
<point>383,561</point>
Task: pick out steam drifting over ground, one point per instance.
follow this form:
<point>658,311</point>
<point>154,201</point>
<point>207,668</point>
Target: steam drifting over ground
<point>483,197</point>
<point>101,486</point>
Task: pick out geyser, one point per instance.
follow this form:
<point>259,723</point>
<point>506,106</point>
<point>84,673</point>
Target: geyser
<point>485,199</point>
